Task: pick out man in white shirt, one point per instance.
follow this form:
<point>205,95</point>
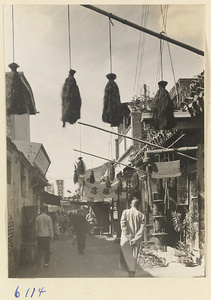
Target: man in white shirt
<point>44,233</point>
<point>132,225</point>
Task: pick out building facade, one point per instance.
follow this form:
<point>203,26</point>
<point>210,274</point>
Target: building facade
<point>27,164</point>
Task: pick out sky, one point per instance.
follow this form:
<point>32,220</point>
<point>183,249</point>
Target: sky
<point>41,50</point>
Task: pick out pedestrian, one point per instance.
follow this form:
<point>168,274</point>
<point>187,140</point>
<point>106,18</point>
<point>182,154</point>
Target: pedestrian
<point>91,219</point>
<point>56,225</point>
<point>44,234</point>
<point>63,222</point>
<point>132,226</point>
<point>80,229</point>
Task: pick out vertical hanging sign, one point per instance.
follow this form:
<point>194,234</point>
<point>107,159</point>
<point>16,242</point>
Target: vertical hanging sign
<point>60,187</point>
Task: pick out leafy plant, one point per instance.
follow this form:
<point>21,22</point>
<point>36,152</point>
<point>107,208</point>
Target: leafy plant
<point>183,251</point>
<point>184,225</point>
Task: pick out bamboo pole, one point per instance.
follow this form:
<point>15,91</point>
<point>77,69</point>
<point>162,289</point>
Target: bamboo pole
<point>122,135</point>
<point>172,150</point>
<point>118,163</point>
<point>132,138</point>
<point>161,36</point>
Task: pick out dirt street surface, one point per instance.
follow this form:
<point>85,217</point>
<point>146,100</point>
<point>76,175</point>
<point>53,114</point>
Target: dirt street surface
<point>100,260</point>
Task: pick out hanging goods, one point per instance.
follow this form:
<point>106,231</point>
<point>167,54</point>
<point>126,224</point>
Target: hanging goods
<point>15,100</point>
<point>135,181</point>
<point>112,171</point>
<point>92,177</point>
<point>119,186</point>
<point>71,100</point>
<point>112,109</point>
<point>107,182</point>
<point>163,108</point>
<point>81,166</point>
<point>75,176</point>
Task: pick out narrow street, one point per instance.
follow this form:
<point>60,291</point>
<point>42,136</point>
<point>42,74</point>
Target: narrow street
<point>100,260</point>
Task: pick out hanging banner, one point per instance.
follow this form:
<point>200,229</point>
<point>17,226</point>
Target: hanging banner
<point>99,191</point>
<point>166,169</point>
<point>60,187</point>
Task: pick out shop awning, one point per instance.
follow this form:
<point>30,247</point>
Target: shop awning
<point>47,198</point>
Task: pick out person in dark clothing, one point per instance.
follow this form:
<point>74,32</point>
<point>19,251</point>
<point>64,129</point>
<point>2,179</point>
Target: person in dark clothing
<point>79,223</point>
<point>44,234</point>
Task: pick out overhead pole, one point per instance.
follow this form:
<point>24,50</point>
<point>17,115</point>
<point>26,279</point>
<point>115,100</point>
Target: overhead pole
<point>133,139</point>
<point>148,31</point>
<point>112,161</point>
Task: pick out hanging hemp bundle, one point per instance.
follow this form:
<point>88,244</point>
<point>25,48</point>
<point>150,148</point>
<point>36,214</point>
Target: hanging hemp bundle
<point>71,100</point>
<point>92,177</point>
<point>75,176</point>
<point>163,108</point>
<point>112,171</point>
<point>15,100</point>
<point>81,166</point>
<point>112,108</point>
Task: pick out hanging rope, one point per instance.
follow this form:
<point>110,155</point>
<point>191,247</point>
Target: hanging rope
<point>13,36</point>
<point>110,43</point>
<point>164,16</point>
<point>69,39</point>
<point>143,44</point>
<point>80,140</point>
<point>161,59</point>
<point>159,73</point>
<point>140,54</point>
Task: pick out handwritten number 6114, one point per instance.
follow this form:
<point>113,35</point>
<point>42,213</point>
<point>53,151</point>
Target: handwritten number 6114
<point>29,292</point>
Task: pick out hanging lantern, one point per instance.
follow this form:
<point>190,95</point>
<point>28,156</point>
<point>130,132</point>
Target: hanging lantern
<point>75,176</point>
<point>92,177</point>
<point>112,108</point>
<point>163,108</point>
<point>81,166</point>
<point>15,100</point>
<point>71,100</point>
<point>112,171</point>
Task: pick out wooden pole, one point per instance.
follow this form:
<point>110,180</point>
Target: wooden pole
<point>118,163</point>
<point>122,135</point>
<point>172,150</point>
<point>161,36</point>
<point>134,139</point>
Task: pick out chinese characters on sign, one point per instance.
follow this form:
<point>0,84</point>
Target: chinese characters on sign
<point>60,187</point>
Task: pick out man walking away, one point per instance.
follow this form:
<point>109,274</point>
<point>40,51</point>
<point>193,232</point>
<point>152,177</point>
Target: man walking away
<point>44,233</point>
<point>132,225</point>
<point>80,229</point>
